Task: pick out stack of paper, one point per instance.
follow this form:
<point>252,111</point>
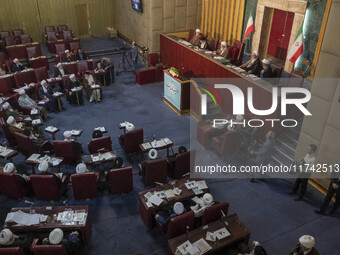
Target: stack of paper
<point>191,185</point>
<point>51,129</point>
<point>107,156</point>
<point>101,129</point>
<point>75,132</point>
<point>22,218</point>
<point>6,152</point>
<point>169,194</point>
<point>201,185</point>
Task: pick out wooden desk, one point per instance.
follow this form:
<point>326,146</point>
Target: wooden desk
<point>87,159</point>
<point>38,161</point>
<point>166,146</point>
<point>11,153</point>
<point>52,223</point>
<point>238,232</point>
<point>148,213</point>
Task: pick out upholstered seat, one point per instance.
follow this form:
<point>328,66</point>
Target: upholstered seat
<point>11,251</point>
<point>100,144</point>
<point>178,225</point>
<point>214,212</point>
<point>155,171</point>
<point>12,185</point>
<point>181,165</point>
<point>66,150</point>
<point>131,140</point>
<point>48,187</point>
<point>84,185</point>
<point>37,249</point>
<point>120,180</point>
<point>27,147</point>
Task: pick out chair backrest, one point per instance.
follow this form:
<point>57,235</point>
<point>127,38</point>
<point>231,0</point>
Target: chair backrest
<point>9,64</point>
<point>25,39</point>
<point>178,225</point>
<point>46,187</point>
<point>84,185</point>
<point>60,48</point>
<point>3,57</point>
<point>65,79</point>
<point>25,144</point>
<point>18,32</point>
<point>295,80</point>
<point>240,45</point>
<point>51,36</point>
<point>33,51</point>
<point>182,164</point>
<point>49,29</point>
<point>67,34</point>
<point>4,34</point>
<point>61,28</point>
<point>82,66</point>
<point>6,85</point>
<point>12,185</point>
<point>10,138</point>
<point>120,180</point>
<point>11,40</point>
<point>155,171</point>
<point>24,77</point>
<point>58,249</point>
<point>153,59</point>
<point>11,251</point>
<point>41,73</point>
<point>74,45</point>
<point>132,140</point>
<point>191,34</point>
<point>214,212</point>
<point>213,45</point>
<point>102,143</point>
<point>66,150</point>
<point>277,70</point>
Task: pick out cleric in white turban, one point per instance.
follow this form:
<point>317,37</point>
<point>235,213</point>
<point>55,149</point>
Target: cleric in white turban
<point>305,246</point>
<point>253,65</point>
<point>8,239</point>
<point>223,50</point>
<point>26,102</point>
<point>195,40</point>
<point>74,97</point>
<point>163,217</point>
<point>266,71</point>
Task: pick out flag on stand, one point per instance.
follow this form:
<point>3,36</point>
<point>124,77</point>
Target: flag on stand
<point>297,47</point>
<point>250,26</point>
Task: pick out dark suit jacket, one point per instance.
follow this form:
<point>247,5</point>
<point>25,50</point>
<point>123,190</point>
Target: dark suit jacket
<point>72,84</point>
<point>299,251</point>
<point>268,73</point>
<point>134,53</point>
<point>78,56</point>
<point>254,67</point>
<point>42,92</point>
<point>16,68</point>
<point>57,72</point>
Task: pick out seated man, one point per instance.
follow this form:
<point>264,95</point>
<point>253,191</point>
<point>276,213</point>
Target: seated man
<point>266,71</point>
<point>26,102</point>
<point>223,51</point>
<point>15,126</point>
<point>18,116</point>
<point>77,146</point>
<point>305,246</point>
<point>91,94</point>
<point>196,38</point>
<point>17,66</point>
<point>45,92</point>
<point>44,169</point>
<point>253,65</point>
<point>164,217</point>
<point>68,56</point>
<point>199,209</point>
<point>60,71</point>
<point>80,55</point>
<point>8,239</point>
<point>11,169</point>
<point>72,96</point>
<point>33,134</point>
<point>202,44</point>
<point>100,68</point>
<point>71,244</point>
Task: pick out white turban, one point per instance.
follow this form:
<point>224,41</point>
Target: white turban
<point>56,236</point>
<point>207,198</point>
<point>67,134</point>
<point>67,51</point>
<point>43,82</point>
<point>22,92</point>
<point>198,30</point>
<point>15,60</point>
<point>10,120</point>
<point>178,208</point>
<point>224,43</point>
<point>59,65</point>
<point>43,167</point>
<point>256,53</point>
<point>5,105</point>
<point>265,61</point>
<point>81,168</point>
<point>307,241</point>
<point>9,168</point>
<point>72,76</point>
<point>5,236</point>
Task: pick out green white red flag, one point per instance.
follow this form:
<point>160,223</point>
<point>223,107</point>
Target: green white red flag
<point>250,26</point>
<point>297,47</point>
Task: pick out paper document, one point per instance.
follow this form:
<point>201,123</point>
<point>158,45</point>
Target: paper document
<point>36,122</point>
<point>201,184</point>
<point>177,191</point>
<point>34,157</point>
<point>202,245</point>
<point>101,129</point>
<point>190,185</point>
<point>51,129</point>
<point>221,233</point>
<point>147,195</point>
<point>155,200</point>
<point>107,156</point>
<point>146,146</point>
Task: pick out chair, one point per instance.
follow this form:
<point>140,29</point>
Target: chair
<point>74,45</point>
<point>214,212</point>
<point>120,180</point>
<point>100,144</point>
<point>61,28</point>
<point>11,251</point>
<point>24,110</point>
<point>27,147</point>
<point>66,150</point>
<point>226,144</point>
<point>4,34</point>
<point>84,185</point>
<point>41,74</point>
<point>153,59</point>
<point>131,140</point>
<point>9,64</point>
<point>146,75</point>
<point>67,35</point>
<point>178,225</point>
<point>22,78</point>
<point>52,249</point>
<point>277,70</point>
<point>18,32</point>
<point>182,164</point>
<point>236,56</point>
<point>213,44</point>
<point>155,171</point>
<point>12,185</point>
<point>51,37</point>
<point>82,67</point>
<point>10,138</point>
<point>295,80</point>
<point>191,34</point>
<point>12,40</point>
<point>33,51</point>
<point>60,48</point>
<point>6,86</point>
<point>25,39</point>
<point>49,29</point>
<point>48,187</point>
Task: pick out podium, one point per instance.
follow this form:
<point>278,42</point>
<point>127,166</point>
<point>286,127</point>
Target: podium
<point>176,93</point>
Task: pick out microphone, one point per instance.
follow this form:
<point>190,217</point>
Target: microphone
<point>223,214</point>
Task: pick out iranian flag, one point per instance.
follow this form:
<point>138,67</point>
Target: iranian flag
<point>297,47</point>
<point>250,26</point>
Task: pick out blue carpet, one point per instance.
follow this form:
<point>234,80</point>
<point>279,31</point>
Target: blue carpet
<point>271,215</point>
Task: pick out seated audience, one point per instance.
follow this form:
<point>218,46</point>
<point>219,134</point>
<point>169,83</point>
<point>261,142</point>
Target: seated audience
<point>77,146</point>
<point>18,116</point>
<point>305,246</point>
<point>80,55</point>
<point>91,94</point>
<point>253,65</point>
<point>72,96</point>
<point>223,51</point>
<point>199,209</point>
<point>108,66</point>
<point>71,244</point>
<point>45,92</point>
<point>164,217</point>
<point>202,44</point>
<point>60,71</point>
<point>26,102</point>
<point>266,71</point>
<point>2,72</point>
<point>68,56</point>
<point>196,38</point>
<point>8,239</point>
<point>17,66</point>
